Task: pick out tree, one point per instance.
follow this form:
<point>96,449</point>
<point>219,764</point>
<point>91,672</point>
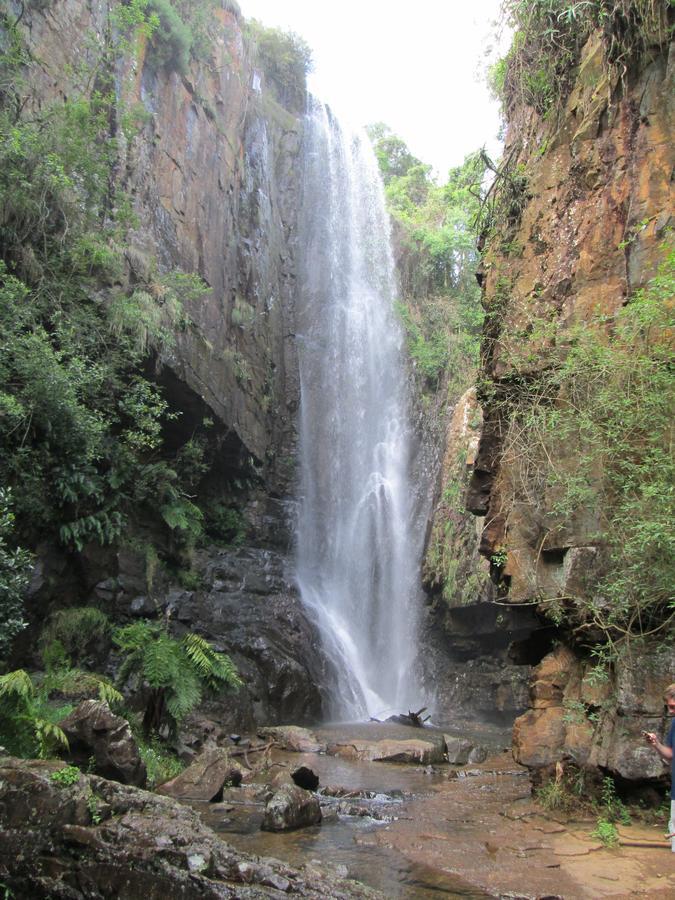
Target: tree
<point>171,674</point>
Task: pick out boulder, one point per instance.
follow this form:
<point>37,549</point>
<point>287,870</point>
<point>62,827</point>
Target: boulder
<point>305,778</point>
<point>419,752</point>
<point>94,732</point>
<point>205,779</point>
<point>291,807</point>
<point>538,736</point>
<point>293,738</point>
<point>457,750</point>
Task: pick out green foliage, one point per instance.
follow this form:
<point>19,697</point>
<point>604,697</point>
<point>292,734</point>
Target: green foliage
<point>225,524</point>
<point>81,426</point>
<point>172,673</point>
<point>15,565</point>
<point>66,777</point>
<point>161,764</point>
<point>594,435</point>
<point>434,227</point>
<point>548,37</point>
<point>27,721</point>
<point>69,634</point>
<point>607,833</point>
<point>285,57</point>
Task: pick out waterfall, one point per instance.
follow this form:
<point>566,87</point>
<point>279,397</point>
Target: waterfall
<point>357,552</point>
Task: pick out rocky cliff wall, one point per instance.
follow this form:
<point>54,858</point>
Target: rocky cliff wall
<point>585,200</point>
<point>212,175</point>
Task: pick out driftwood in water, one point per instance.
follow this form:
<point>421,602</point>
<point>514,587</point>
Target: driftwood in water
<point>413,718</point>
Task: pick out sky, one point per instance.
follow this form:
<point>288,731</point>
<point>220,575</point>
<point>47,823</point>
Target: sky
<point>417,66</point>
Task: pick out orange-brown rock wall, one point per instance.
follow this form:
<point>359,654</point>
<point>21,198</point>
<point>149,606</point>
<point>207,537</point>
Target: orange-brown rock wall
<point>592,200</point>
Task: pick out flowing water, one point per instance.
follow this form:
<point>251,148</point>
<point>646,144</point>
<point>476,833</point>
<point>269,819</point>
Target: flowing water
<point>357,553</point>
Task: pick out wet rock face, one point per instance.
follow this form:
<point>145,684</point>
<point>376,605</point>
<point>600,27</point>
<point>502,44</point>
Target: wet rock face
<point>94,732</point>
<point>97,839</point>
<point>250,610</point>
<point>594,216</point>
<point>213,177</point>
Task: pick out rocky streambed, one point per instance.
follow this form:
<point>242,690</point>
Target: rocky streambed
<point>386,816</point>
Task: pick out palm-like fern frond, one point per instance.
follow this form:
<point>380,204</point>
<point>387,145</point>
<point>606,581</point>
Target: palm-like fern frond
<point>162,662</point>
<point>109,694</point>
<point>135,636</point>
<point>17,684</point>
<point>212,667</point>
<point>185,694</point>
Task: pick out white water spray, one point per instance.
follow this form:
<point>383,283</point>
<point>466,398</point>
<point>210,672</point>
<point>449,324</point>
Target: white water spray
<point>357,556</point>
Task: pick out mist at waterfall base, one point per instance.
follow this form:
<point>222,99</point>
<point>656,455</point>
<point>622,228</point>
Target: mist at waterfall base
<point>357,551</point>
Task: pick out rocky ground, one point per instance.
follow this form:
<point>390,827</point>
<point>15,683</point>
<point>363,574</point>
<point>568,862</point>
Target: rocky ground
<point>378,813</point>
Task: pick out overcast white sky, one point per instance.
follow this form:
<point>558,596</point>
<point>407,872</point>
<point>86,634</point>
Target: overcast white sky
<point>417,66</point>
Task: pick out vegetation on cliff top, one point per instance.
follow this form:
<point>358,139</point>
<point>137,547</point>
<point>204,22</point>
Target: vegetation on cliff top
<point>538,70</point>
<point>435,233</point>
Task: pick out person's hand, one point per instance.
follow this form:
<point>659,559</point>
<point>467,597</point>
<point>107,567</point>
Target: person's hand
<point>650,737</point>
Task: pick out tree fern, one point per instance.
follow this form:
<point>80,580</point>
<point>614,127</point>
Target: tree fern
<point>162,662</point>
<point>185,695</point>
<point>213,667</point>
<point>172,672</point>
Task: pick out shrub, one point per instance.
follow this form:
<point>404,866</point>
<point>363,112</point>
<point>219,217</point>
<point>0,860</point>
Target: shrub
<point>285,57</point>
<point>594,434</point>
<point>27,721</point>
<point>225,524</point>
<point>548,37</point>
<point>69,634</point>
<point>15,565</point>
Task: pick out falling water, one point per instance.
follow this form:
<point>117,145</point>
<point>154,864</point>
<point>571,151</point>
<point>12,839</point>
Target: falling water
<point>357,556</point>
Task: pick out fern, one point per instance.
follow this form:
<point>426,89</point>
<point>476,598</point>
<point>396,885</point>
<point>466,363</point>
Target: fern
<point>161,663</point>
<point>109,694</point>
<point>185,695</point>
<point>135,636</point>
<point>17,685</point>
<point>174,672</point>
<point>214,668</point>
<point>73,629</point>
<point>50,737</point>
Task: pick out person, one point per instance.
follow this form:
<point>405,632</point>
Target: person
<point>665,751</point>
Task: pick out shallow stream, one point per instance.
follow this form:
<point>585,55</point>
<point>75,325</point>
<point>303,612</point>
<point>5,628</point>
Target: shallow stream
<point>374,797</point>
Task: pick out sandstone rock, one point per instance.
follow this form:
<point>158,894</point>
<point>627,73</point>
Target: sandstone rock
<point>478,755</point>
<point>94,731</point>
<point>538,737</point>
<point>148,847</point>
<point>457,750</point>
<point>205,779</point>
<point>291,807</point>
<point>293,738</point>
<point>419,752</point>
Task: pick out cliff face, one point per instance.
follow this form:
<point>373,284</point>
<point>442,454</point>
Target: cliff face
<point>213,178</point>
<point>212,174</point>
<point>586,204</point>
